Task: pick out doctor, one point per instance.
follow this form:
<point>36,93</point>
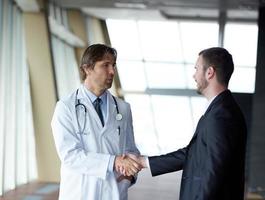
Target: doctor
<point>92,130</point>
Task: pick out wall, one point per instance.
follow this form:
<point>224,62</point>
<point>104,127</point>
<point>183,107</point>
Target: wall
<point>43,93</point>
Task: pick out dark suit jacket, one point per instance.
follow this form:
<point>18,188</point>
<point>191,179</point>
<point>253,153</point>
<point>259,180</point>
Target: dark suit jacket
<point>213,162</point>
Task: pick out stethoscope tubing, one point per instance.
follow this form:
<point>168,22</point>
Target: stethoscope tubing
<point>78,103</point>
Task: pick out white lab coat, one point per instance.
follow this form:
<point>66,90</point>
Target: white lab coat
<point>85,157</point>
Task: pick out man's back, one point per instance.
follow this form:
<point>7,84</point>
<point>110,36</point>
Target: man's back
<point>215,158</point>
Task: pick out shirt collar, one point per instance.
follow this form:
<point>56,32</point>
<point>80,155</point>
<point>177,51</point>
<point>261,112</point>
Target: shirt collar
<point>92,97</point>
<point>209,102</point>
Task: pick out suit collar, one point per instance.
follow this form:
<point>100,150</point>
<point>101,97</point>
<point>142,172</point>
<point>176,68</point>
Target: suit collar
<point>217,99</point>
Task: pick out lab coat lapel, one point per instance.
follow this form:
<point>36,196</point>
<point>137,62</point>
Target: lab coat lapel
<point>111,108</point>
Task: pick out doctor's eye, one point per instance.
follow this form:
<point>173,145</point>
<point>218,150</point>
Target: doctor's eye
<point>105,65</point>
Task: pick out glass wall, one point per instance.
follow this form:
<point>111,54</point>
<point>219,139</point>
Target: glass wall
<point>155,65</point>
<point>241,40</point>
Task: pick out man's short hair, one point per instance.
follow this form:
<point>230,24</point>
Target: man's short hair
<point>221,60</point>
<point>94,53</point>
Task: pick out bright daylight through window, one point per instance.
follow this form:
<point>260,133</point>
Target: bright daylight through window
<point>155,65</point>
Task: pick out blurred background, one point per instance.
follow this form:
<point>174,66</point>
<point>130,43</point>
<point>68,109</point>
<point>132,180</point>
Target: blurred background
<point>158,41</point>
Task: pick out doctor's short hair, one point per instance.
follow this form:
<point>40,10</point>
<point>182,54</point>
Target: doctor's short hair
<point>221,60</point>
<point>94,53</point>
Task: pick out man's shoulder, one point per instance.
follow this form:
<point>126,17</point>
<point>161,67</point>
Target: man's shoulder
<point>227,110</point>
<point>121,102</point>
<point>68,99</point>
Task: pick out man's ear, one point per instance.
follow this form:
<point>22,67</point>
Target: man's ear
<point>86,68</point>
<point>210,72</point>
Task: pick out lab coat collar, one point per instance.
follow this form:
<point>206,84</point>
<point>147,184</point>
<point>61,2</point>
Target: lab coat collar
<point>84,99</point>
<point>111,114</point>
<point>111,108</point>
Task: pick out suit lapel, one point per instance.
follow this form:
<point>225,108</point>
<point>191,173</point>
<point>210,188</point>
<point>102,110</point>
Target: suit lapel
<point>217,99</point>
<point>196,131</point>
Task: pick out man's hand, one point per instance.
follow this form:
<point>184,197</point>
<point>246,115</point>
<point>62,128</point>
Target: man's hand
<point>126,165</point>
<point>122,177</point>
<point>139,159</point>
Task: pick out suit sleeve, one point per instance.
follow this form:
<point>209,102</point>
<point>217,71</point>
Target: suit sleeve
<point>70,148</point>
<point>219,141</point>
<point>167,163</point>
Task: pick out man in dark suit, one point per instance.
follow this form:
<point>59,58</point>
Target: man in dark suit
<point>213,161</point>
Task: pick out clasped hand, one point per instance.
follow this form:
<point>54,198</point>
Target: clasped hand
<point>129,164</point>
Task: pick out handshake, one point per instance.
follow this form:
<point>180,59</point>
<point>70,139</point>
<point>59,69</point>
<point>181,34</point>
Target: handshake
<point>129,164</point>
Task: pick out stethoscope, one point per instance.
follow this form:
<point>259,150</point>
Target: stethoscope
<point>118,116</point>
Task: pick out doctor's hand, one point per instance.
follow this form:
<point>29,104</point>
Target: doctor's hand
<point>125,165</point>
<point>122,177</point>
<point>139,159</point>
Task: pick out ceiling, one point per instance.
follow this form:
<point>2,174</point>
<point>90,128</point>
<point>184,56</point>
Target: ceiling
<point>165,9</point>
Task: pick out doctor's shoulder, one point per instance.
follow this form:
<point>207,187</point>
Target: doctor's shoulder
<point>66,102</point>
<point>122,103</point>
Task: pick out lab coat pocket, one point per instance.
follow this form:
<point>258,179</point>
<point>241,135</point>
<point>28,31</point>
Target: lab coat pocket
<point>112,140</point>
<point>89,141</point>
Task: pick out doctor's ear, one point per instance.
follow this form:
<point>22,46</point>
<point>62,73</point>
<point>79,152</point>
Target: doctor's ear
<point>87,68</point>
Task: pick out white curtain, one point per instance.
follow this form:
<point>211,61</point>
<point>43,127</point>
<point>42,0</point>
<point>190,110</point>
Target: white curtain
<point>17,142</point>
<point>66,68</point>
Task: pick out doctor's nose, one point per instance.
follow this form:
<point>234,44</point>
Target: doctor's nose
<point>112,70</point>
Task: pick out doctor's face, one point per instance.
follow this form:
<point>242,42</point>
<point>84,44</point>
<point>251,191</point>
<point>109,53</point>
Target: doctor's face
<point>101,76</point>
<point>200,76</point>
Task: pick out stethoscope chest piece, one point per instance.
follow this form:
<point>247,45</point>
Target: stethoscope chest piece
<point>119,117</point>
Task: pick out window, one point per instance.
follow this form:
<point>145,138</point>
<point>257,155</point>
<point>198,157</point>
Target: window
<point>244,53</point>
<point>156,64</point>
<point>158,55</point>
<point>17,142</point>
<point>66,67</point>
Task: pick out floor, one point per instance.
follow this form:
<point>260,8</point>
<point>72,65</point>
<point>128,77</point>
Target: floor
<point>33,191</point>
<point>146,188</point>
<point>165,187</point>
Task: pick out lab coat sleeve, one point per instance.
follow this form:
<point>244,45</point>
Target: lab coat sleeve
<point>111,163</point>
<point>130,146</point>
<point>70,149</point>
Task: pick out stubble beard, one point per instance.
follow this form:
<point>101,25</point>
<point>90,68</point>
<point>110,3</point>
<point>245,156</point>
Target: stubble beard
<point>200,87</point>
